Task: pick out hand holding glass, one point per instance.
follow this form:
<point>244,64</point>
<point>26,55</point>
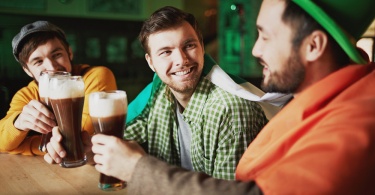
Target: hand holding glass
<point>108,113</point>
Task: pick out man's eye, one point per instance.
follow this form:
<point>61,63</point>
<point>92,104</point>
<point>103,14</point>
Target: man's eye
<point>57,55</point>
<point>38,63</point>
<point>165,52</point>
<point>190,46</point>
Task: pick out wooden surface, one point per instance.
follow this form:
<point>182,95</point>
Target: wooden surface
<point>32,175</point>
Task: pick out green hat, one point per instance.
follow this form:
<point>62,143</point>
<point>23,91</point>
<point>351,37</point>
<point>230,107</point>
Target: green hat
<point>344,20</point>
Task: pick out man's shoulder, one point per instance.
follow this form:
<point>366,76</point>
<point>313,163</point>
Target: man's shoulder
<point>85,69</point>
<point>29,91</point>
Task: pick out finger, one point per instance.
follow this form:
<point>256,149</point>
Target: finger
<point>42,108</point>
<point>43,116</point>
<point>102,139</point>
<point>56,147</point>
<point>48,159</point>
<point>32,118</point>
<point>52,154</point>
<point>97,138</point>
<point>56,135</point>
<point>99,167</point>
<point>97,149</point>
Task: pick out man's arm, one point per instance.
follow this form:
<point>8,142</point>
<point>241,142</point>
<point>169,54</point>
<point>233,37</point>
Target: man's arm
<point>152,176</point>
<point>25,109</point>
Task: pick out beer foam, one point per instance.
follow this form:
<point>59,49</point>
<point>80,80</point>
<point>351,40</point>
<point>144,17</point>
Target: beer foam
<point>103,104</point>
<point>65,88</point>
<point>43,85</point>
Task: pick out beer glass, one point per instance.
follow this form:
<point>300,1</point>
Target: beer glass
<point>43,84</point>
<point>108,112</point>
<point>67,99</point>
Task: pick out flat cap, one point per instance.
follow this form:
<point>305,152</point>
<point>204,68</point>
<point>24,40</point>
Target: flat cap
<point>38,26</point>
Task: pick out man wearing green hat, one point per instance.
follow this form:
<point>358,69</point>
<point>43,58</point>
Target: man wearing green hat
<point>323,141</point>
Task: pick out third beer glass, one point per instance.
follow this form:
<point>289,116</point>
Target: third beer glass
<point>108,113</point>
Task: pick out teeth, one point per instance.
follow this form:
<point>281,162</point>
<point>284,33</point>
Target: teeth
<point>183,72</point>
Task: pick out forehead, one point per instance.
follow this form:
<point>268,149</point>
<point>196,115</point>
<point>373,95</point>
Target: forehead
<point>271,12</point>
<point>172,35</point>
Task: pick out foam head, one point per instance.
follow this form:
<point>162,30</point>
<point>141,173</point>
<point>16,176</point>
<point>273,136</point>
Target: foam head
<point>66,87</point>
<point>43,85</point>
<point>106,104</point>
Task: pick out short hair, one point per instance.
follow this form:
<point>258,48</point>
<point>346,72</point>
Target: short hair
<point>165,18</point>
<point>303,25</point>
<point>34,40</point>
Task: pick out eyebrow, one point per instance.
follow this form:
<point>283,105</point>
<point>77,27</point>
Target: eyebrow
<point>189,40</point>
<point>53,51</point>
<point>263,30</point>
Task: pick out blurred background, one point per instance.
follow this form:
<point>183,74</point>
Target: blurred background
<point>104,32</point>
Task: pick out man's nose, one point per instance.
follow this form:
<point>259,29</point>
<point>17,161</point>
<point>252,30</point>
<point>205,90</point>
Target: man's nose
<point>52,65</point>
<point>181,57</point>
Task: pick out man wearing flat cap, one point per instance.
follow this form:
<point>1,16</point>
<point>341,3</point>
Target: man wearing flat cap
<point>321,142</point>
<point>37,47</point>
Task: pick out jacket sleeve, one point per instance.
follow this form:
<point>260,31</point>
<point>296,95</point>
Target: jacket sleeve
<point>12,140</point>
<point>152,176</point>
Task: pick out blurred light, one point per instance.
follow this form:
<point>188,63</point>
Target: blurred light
<point>233,7</point>
<point>366,44</point>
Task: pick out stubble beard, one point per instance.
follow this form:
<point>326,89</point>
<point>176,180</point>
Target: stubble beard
<point>289,79</point>
<point>188,87</point>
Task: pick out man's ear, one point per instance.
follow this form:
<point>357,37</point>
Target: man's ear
<point>149,61</point>
<point>316,44</point>
<point>70,53</point>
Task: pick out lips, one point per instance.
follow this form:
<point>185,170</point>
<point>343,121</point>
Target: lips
<point>183,72</point>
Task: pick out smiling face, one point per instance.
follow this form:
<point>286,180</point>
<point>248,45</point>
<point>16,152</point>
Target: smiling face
<point>48,56</point>
<point>283,70</point>
<point>176,55</point>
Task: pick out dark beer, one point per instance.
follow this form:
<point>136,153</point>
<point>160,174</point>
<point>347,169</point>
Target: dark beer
<point>113,125</point>
<point>108,113</point>
<point>66,95</point>
<point>68,113</point>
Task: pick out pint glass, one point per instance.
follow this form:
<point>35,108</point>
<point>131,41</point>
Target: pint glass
<point>43,86</point>
<point>108,113</point>
<point>67,99</point>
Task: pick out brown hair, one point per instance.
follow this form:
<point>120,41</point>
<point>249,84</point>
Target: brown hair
<point>33,41</point>
<point>165,18</point>
<point>303,25</point>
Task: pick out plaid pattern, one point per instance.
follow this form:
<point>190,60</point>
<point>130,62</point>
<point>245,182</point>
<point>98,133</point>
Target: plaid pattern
<point>222,125</point>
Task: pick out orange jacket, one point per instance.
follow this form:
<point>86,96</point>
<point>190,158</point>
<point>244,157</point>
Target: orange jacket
<point>322,142</point>
<point>14,141</point>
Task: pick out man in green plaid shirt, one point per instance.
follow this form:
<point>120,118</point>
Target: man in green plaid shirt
<point>193,114</point>
<point>189,121</point>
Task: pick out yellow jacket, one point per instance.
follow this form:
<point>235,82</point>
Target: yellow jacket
<point>14,141</point>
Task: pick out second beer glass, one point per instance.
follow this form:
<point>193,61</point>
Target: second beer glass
<point>108,113</point>
<point>67,99</point>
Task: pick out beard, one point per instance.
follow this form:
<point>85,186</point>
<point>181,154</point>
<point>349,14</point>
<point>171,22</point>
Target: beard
<point>289,79</point>
<point>188,86</point>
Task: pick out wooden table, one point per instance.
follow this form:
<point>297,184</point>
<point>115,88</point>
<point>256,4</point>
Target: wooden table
<point>32,175</point>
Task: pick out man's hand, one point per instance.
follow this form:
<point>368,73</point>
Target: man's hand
<point>116,157</point>
<point>56,151</point>
<point>35,116</point>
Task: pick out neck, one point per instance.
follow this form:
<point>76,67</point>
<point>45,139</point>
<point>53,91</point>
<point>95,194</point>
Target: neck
<point>317,70</point>
<point>182,98</point>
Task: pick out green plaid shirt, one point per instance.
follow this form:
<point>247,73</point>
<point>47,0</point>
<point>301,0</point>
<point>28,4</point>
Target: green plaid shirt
<point>222,126</point>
